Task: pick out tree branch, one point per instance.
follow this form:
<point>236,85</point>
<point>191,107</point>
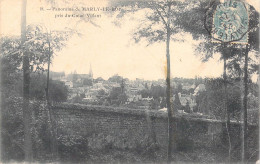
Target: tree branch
<point>159,13</point>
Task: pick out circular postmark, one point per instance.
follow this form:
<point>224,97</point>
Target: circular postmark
<point>230,22</point>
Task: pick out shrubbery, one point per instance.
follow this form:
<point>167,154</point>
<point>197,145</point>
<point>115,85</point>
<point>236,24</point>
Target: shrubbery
<point>12,130</point>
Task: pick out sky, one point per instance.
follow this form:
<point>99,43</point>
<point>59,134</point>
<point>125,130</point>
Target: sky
<point>109,49</point>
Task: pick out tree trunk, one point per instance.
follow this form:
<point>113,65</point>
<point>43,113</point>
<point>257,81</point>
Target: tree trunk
<point>225,54</point>
<point>241,112</point>
<point>258,81</point>
<point>1,107</point>
<point>48,71</point>
<point>26,85</point>
<point>244,127</point>
<point>168,91</point>
<point>52,125</point>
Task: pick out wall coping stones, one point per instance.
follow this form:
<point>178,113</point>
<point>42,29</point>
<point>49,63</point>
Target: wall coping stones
<point>137,112</point>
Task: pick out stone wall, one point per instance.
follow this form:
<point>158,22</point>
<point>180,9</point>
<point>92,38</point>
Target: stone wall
<point>136,129</point>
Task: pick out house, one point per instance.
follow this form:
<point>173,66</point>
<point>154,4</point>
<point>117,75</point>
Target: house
<point>188,87</point>
<point>134,98</point>
<point>187,99</point>
<point>90,97</point>
<point>69,84</point>
<point>199,88</point>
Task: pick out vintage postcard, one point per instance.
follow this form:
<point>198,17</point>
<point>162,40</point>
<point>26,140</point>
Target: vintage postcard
<point>129,81</point>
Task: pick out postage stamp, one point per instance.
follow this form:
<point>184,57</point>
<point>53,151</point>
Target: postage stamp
<point>231,22</point>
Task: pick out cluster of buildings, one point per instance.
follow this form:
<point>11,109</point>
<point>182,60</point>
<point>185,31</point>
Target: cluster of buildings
<point>92,90</point>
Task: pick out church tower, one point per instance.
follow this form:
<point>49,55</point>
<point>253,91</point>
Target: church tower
<point>90,72</point>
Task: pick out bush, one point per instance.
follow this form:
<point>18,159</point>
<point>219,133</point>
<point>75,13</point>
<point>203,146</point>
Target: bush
<point>13,132</point>
<point>184,142</point>
<point>73,148</point>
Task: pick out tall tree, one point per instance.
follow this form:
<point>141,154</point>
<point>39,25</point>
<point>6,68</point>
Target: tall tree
<point>160,25</point>
<point>33,55</point>
<point>27,52</point>
<point>54,41</point>
<point>203,16</point>
<point>26,85</point>
<point>36,52</point>
<point>162,22</point>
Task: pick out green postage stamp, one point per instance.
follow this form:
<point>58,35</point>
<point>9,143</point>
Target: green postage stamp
<point>231,22</point>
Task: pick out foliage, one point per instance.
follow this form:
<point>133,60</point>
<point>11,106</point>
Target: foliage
<point>211,101</point>
<point>98,79</point>
<point>156,92</point>
<point>13,132</point>
<point>39,36</point>
<point>163,103</point>
<point>152,26</point>
<point>87,82</point>
<point>73,148</point>
<point>155,104</point>
<point>58,91</point>
<point>12,129</point>
<point>184,142</point>
<point>187,108</point>
<point>56,74</point>
<point>179,88</point>
<point>200,24</point>
<point>10,64</point>
<point>74,77</point>
<point>101,92</point>
<point>116,78</point>
<point>117,96</point>
<point>145,93</point>
<point>115,92</point>
<point>77,99</point>
<point>36,46</point>
<point>177,103</point>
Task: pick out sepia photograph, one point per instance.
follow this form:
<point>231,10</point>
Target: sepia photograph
<point>129,81</point>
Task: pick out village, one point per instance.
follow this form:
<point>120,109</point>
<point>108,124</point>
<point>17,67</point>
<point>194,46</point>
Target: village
<point>119,91</point>
<point>172,81</point>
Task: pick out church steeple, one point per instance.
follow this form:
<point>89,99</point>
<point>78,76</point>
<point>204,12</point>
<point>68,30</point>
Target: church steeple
<point>90,71</point>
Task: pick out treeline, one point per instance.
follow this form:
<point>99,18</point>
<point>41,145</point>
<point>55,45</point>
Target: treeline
<point>211,101</point>
<point>58,91</point>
